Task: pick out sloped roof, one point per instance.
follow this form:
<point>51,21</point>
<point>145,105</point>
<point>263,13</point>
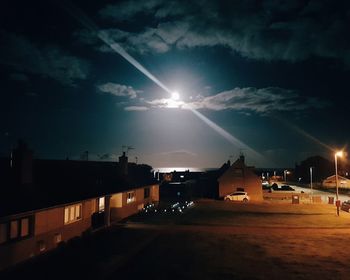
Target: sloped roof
<point>238,164</point>
<point>339,178</point>
<point>57,182</point>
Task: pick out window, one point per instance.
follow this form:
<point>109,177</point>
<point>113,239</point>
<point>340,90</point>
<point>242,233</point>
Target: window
<point>101,204</point>
<point>24,227</point>
<point>14,229</point>
<point>146,192</point>
<point>130,197</point>
<point>41,245</point>
<point>57,238</point>
<point>3,233</point>
<point>72,213</point>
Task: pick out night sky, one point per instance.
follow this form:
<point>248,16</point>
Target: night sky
<point>273,75</point>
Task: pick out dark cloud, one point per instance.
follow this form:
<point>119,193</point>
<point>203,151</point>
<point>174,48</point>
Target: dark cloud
<point>118,90</point>
<point>271,30</point>
<point>50,61</point>
<point>261,101</point>
<point>20,77</point>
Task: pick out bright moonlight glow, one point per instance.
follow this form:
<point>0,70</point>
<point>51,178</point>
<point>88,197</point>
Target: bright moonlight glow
<point>175,96</point>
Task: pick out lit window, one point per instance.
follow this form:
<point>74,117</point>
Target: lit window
<point>130,197</point>
<point>101,204</point>
<point>72,213</point>
<point>77,211</point>
<point>3,233</point>
<point>66,215</point>
<point>14,229</point>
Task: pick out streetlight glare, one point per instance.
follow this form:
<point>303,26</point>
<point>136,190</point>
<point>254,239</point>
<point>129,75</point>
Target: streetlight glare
<point>339,154</point>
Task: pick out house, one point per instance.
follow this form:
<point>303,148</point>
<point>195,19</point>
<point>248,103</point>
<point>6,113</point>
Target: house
<point>343,182</point>
<point>239,177</point>
<point>47,202</point>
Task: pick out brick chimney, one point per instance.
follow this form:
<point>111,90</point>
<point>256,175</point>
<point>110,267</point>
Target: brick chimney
<point>22,164</point>
<point>241,158</point>
<point>123,164</point>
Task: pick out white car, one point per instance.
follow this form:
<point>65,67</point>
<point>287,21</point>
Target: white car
<point>237,196</point>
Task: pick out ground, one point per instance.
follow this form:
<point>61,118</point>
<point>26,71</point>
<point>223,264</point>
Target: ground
<point>211,240</point>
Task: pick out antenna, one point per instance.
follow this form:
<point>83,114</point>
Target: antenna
<point>85,156</point>
<point>127,148</point>
<point>241,152</point>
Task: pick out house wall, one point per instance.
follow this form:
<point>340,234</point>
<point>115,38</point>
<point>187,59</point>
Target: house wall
<point>343,183</point>
<point>48,226</point>
<point>251,184</point>
<point>121,208</point>
<point>47,231</point>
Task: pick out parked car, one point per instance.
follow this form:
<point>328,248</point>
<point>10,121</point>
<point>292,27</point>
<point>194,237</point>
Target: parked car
<point>345,206</point>
<point>237,196</point>
<point>275,187</point>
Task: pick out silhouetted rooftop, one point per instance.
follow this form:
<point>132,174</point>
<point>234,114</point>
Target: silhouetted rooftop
<point>58,182</point>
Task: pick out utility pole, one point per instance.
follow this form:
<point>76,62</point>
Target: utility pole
<point>311,181</point>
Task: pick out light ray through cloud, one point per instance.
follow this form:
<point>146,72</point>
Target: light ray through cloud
<point>229,137</point>
<point>305,134</point>
<point>88,23</point>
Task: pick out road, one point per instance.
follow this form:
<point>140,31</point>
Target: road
<point>323,194</point>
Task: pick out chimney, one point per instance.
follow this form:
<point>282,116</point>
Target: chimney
<point>241,158</point>
<point>123,164</point>
<point>22,164</point>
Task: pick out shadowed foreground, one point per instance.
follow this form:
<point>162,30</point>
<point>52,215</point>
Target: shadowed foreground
<point>242,242</point>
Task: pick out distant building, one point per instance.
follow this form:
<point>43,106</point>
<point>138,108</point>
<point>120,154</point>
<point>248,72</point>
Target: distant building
<point>343,183</point>
<point>63,199</point>
<point>239,177</point>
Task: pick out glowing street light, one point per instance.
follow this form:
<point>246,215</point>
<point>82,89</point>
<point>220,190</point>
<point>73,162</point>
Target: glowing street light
<point>336,155</point>
<point>285,175</point>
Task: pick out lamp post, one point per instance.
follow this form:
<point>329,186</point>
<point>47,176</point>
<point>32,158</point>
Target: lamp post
<point>336,155</point>
<point>285,175</point>
<point>311,181</point>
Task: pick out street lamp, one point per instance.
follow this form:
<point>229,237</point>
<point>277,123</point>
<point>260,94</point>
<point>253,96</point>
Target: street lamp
<point>336,155</point>
<point>285,175</point>
<point>311,180</point>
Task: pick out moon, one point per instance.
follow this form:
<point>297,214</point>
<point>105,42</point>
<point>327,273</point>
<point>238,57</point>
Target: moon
<point>175,96</point>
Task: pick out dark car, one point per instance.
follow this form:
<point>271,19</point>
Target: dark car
<point>345,206</point>
<point>287,188</point>
<point>275,187</point>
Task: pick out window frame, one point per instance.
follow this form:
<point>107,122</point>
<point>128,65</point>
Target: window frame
<point>132,197</point>
<point>70,216</point>
<point>18,234</point>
